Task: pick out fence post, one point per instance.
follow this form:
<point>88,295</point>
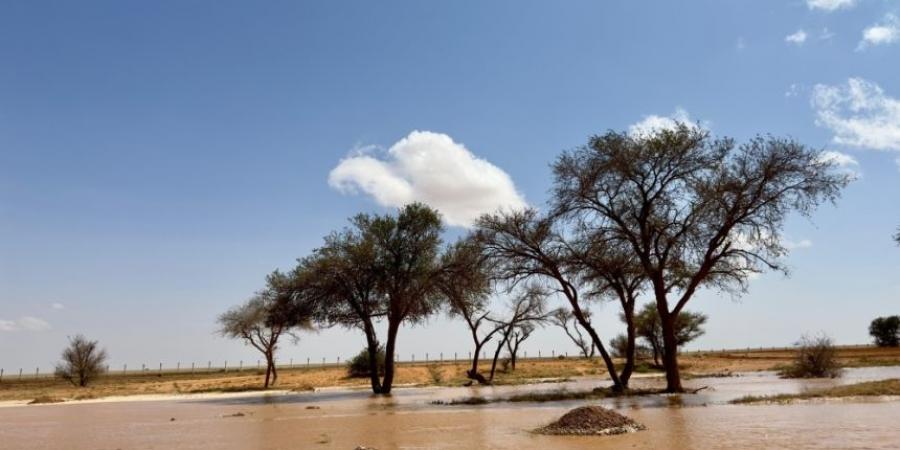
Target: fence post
<point>1,375</point>
<point>178,366</point>
<point>124,368</point>
<point>426,356</point>
<point>539,353</point>
<point>454,356</point>
<point>413,357</point>
<point>257,364</point>
<point>160,367</point>
<point>307,362</point>
<point>37,370</point>
<point>209,366</point>
<point>291,366</point>
<point>226,366</point>
<point>442,357</point>
<point>143,366</point>
<point>240,365</point>
<point>192,367</point>
<point>553,353</point>
<point>338,360</point>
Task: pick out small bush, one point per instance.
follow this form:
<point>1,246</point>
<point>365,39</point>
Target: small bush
<point>358,366</point>
<point>816,358</point>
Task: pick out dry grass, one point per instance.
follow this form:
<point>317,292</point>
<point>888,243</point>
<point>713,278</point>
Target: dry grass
<point>421,374</point>
<point>866,389</point>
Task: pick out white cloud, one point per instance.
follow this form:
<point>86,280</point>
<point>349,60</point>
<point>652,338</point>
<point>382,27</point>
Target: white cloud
<point>652,123</point>
<point>430,168</point>
<point>830,5</point>
<point>27,323</point>
<point>58,306</point>
<point>839,159</point>
<point>885,32</point>
<point>859,114</point>
<point>797,38</point>
<point>793,245</point>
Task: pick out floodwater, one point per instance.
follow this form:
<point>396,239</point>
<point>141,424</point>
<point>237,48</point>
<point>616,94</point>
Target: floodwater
<point>345,419</point>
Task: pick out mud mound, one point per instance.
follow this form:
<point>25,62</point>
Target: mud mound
<point>591,420</point>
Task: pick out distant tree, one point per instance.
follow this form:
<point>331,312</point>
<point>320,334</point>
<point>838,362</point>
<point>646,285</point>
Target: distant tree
<point>527,309</point>
<point>519,334</point>
<point>886,331</point>
<point>263,319</point>
<point>382,267</point>
<point>82,361</point>
<point>619,348</point>
<point>562,317</point>
<point>695,211</point>
<point>360,366</point>
<point>897,236</point>
<point>688,326</point>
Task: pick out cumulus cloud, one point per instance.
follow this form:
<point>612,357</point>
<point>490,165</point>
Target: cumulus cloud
<point>652,123</point>
<point>797,38</point>
<point>885,32</point>
<point>27,323</point>
<point>859,113</point>
<point>430,168</point>
<point>830,5</point>
<point>58,306</point>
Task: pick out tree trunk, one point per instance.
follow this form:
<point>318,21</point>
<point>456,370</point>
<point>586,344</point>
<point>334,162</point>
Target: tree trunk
<point>610,367</point>
<point>629,346</point>
<point>496,356</point>
<point>372,346</point>
<point>670,354</point>
<point>268,372</point>
<point>472,373</point>
<point>393,327</point>
<point>274,369</point>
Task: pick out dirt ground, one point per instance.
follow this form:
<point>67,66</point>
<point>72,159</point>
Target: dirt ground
<point>419,374</point>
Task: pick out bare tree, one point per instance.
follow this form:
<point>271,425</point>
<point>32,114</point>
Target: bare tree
<point>263,319</point>
<point>526,246</point>
<point>82,361</point>
<point>561,318</point>
<point>526,310</point>
<point>695,211</point>
<point>520,333</point>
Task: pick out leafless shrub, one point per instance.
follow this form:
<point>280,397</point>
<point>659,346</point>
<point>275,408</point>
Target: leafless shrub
<point>816,358</point>
<point>82,361</point>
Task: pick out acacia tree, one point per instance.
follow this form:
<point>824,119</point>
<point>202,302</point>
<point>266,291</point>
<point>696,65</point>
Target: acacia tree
<point>688,326</point>
<point>695,211</point>
<point>82,361</point>
<point>526,310</point>
<point>263,319</point>
<point>466,284</point>
<point>525,246</point>
<point>886,331</point>
<point>382,267</point>
<point>561,318</point>
<point>520,333</point>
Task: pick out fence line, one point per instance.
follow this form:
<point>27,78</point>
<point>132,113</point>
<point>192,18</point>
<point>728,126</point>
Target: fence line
<point>258,365</point>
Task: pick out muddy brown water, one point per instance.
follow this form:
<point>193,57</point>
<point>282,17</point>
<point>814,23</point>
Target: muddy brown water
<point>407,420</point>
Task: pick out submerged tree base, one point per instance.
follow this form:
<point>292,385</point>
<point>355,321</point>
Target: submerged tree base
<point>591,421</point>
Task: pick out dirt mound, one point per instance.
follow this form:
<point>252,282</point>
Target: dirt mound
<point>591,420</point>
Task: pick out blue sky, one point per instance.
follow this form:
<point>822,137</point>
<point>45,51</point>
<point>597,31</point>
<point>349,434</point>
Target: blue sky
<point>158,159</point>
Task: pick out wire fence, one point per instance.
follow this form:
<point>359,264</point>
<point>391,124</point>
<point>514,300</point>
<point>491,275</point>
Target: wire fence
<point>208,367</point>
